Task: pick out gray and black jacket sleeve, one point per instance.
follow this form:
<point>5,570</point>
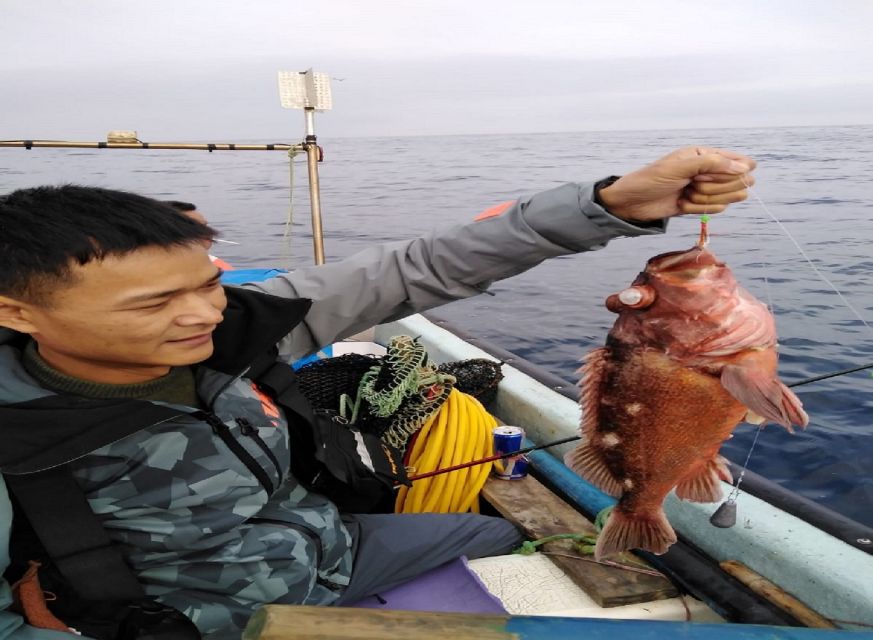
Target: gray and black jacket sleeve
<point>394,280</point>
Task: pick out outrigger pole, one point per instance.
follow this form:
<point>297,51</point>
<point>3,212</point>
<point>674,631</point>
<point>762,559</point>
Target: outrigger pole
<point>305,90</point>
<point>114,142</point>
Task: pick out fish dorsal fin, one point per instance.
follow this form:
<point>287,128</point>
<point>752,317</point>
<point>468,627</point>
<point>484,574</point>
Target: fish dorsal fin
<point>591,381</point>
<point>764,394</point>
<point>586,460</point>
<point>702,485</point>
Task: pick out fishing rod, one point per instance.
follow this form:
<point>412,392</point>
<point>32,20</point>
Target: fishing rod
<point>497,456</point>
<point>831,375</point>
<point>521,452</point>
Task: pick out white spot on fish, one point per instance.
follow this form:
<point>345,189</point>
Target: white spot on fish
<point>633,408</point>
<point>628,483</point>
<point>754,418</point>
<point>610,439</point>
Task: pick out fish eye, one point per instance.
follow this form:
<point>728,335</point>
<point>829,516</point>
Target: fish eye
<point>637,297</point>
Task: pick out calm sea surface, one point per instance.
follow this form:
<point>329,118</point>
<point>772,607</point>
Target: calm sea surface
<point>817,181</point>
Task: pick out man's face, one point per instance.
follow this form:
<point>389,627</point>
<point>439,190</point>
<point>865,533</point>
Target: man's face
<point>130,318</point>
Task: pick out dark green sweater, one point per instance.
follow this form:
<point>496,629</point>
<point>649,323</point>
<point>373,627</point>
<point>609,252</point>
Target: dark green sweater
<point>177,387</point>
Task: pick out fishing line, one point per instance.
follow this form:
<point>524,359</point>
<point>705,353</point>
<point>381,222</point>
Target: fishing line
<point>806,257</point>
<point>726,514</point>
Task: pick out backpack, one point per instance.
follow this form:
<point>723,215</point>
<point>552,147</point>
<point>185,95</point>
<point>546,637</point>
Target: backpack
<point>356,470</point>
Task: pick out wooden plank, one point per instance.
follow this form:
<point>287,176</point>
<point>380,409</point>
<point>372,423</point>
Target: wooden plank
<point>292,622</point>
<point>288,622</point>
<point>540,513</point>
<point>775,594</point>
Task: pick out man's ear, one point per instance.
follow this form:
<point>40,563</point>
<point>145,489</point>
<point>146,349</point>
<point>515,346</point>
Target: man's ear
<point>14,315</point>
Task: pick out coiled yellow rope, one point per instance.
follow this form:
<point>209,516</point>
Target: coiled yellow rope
<point>460,431</point>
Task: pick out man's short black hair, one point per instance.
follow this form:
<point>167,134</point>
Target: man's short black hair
<point>45,230</point>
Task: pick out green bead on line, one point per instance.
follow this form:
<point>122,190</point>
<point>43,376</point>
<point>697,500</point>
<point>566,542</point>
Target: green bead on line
<point>704,218</point>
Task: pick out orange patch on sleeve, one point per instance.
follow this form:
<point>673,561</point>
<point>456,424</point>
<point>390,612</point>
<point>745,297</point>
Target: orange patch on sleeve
<point>267,405</point>
<point>494,211</point>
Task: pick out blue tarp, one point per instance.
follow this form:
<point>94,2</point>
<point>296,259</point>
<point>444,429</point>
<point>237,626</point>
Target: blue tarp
<point>239,276</point>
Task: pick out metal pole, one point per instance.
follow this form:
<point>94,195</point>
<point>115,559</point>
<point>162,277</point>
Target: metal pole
<point>314,190</point>
<point>218,146</point>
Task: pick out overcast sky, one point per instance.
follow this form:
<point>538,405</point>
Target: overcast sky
<point>206,69</point>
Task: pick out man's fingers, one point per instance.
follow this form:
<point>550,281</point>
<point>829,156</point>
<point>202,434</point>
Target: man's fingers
<point>708,161</point>
<point>723,184</point>
<point>717,199</point>
<point>687,207</point>
<point>733,155</point>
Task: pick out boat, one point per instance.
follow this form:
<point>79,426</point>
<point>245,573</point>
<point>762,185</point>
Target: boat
<point>817,556</point>
<point>789,563</point>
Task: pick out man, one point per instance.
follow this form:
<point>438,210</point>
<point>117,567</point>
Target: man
<point>110,303</point>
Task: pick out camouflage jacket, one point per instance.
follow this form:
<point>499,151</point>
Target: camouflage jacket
<point>201,502</point>
<point>202,529</point>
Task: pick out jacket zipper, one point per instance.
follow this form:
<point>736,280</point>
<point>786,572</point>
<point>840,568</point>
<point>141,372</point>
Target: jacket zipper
<point>316,542</point>
<point>223,432</point>
<point>248,429</point>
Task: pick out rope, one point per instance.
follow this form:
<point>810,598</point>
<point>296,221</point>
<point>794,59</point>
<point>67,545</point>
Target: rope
<point>405,358</point>
<point>403,387</point>
<point>289,221</point>
<point>583,543</point>
<point>529,547</point>
<point>461,429</point>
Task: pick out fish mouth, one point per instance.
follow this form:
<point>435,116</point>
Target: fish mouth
<point>687,263</point>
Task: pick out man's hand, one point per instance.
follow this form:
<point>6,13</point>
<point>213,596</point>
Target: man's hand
<point>690,180</point>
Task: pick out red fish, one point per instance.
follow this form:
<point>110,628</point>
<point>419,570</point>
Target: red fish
<point>691,355</point>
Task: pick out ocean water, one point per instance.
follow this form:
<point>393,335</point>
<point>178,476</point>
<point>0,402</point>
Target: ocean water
<point>816,181</point>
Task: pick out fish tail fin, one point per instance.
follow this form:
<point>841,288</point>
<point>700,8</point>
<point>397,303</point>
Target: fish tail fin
<point>623,531</point>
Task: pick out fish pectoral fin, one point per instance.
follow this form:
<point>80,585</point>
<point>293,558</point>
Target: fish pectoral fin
<point>632,530</point>
<point>702,485</point>
<point>588,464</point>
<point>764,395</point>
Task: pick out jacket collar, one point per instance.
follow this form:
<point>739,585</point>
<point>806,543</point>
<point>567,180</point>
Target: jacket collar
<point>254,322</point>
